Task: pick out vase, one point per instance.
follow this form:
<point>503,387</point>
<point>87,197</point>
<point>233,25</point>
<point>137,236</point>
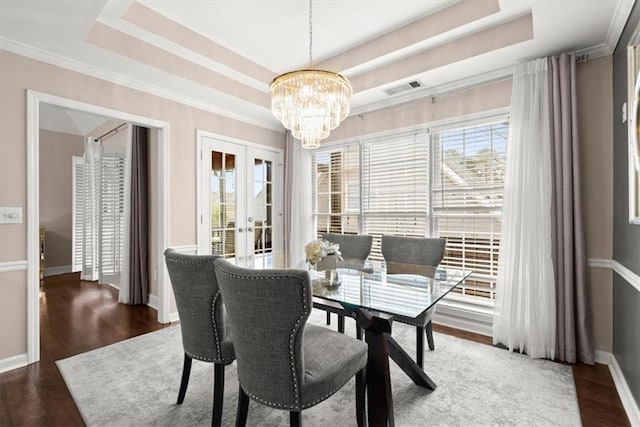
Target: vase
<point>327,263</point>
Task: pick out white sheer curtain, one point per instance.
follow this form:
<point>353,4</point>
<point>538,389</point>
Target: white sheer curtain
<point>299,223</point>
<point>525,311</point>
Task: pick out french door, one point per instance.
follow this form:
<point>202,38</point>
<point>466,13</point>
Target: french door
<point>240,202</point>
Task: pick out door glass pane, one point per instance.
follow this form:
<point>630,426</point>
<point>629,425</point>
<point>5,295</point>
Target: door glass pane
<point>222,199</point>
<point>262,213</point>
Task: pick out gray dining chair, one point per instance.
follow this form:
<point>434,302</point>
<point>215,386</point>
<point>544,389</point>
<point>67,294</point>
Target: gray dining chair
<point>282,361</point>
<point>353,248</point>
<point>205,335</point>
<point>414,255</point>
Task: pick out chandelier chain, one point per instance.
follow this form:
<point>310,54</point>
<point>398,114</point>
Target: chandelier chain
<point>310,33</point>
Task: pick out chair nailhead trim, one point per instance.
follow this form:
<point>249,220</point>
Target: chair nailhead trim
<point>296,392</point>
<point>215,326</point>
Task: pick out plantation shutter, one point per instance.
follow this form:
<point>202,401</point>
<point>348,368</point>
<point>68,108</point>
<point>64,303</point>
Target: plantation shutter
<point>395,187</point>
<point>90,205</point>
<point>469,165</point>
<point>77,212</point>
<point>111,216</point>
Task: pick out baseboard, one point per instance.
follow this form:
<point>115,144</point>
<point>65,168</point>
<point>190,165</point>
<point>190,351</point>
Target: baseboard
<point>53,271</point>
<point>628,401</point>
<point>153,301</point>
<point>13,362</point>
<point>603,357</point>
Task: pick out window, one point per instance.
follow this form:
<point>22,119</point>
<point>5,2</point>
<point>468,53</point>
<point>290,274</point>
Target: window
<point>337,190</point>
<point>441,182</point>
<point>469,165</point>
<point>395,187</point>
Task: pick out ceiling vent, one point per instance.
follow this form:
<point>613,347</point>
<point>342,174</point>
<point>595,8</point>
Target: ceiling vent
<point>405,87</point>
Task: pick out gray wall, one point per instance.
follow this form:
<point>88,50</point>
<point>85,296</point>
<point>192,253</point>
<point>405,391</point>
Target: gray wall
<point>626,237</point>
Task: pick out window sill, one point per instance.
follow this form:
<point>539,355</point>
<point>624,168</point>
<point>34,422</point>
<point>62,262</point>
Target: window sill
<point>465,314</point>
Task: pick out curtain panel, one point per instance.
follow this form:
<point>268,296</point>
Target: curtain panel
<point>573,293</point>
<point>525,296</point>
<point>298,203</point>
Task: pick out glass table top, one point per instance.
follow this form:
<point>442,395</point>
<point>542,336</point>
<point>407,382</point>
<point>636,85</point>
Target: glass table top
<point>397,294</point>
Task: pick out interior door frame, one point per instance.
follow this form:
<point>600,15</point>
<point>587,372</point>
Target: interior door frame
<point>278,201</point>
<point>34,99</point>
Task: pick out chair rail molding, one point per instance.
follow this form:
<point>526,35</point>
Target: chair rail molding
<point>6,266</point>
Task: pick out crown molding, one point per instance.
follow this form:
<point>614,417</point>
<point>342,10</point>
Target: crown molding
<point>99,73</point>
<point>477,80</point>
<point>618,21</point>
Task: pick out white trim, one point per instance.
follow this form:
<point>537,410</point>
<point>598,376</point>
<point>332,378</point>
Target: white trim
<point>602,357</point>
<point>33,227</point>
<point>122,80</point>
<point>628,401</point>
<point>52,271</point>
<point>34,99</point>
<point>464,316</point>
<point>616,26</point>
<point>435,91</point>
<point>6,266</point>
<point>153,301</point>
<point>599,263</point>
<point>174,317</point>
<point>13,362</point>
<point>632,278</point>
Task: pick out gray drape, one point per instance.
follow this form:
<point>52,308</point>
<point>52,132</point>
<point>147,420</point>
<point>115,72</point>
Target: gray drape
<point>138,244</point>
<point>574,322</point>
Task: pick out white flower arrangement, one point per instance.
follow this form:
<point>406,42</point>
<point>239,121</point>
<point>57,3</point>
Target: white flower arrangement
<point>316,250</point>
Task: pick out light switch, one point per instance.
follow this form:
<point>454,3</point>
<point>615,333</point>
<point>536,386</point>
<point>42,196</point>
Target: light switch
<point>11,215</point>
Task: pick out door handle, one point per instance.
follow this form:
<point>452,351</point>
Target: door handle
<point>249,229</point>
<point>240,230</point>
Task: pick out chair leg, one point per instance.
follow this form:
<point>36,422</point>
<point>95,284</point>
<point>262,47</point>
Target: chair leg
<point>429,329</point>
<point>360,398</point>
<point>341,323</point>
<point>295,418</point>
<point>419,345</point>
<point>218,393</point>
<point>359,332</point>
<point>186,371</point>
<point>243,408</point>
<point>328,317</point>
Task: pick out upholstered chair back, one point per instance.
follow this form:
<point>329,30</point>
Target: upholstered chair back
<point>401,253</point>
<point>205,335</point>
<point>352,246</point>
<point>268,310</point>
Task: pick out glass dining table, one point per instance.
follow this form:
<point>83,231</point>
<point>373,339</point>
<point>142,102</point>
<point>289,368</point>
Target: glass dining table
<point>373,299</point>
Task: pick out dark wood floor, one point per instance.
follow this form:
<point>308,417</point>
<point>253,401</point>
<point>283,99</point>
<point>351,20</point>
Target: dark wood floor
<point>76,317</point>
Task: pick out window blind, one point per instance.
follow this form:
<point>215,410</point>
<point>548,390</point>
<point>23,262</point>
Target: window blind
<point>395,187</point>
<point>469,166</point>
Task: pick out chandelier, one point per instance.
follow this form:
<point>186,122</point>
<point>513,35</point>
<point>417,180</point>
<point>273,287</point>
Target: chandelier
<point>310,102</point>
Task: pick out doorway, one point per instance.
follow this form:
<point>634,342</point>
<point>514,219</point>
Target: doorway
<point>239,201</point>
<point>34,102</point>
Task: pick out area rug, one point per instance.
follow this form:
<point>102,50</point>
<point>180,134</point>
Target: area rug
<point>135,383</point>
